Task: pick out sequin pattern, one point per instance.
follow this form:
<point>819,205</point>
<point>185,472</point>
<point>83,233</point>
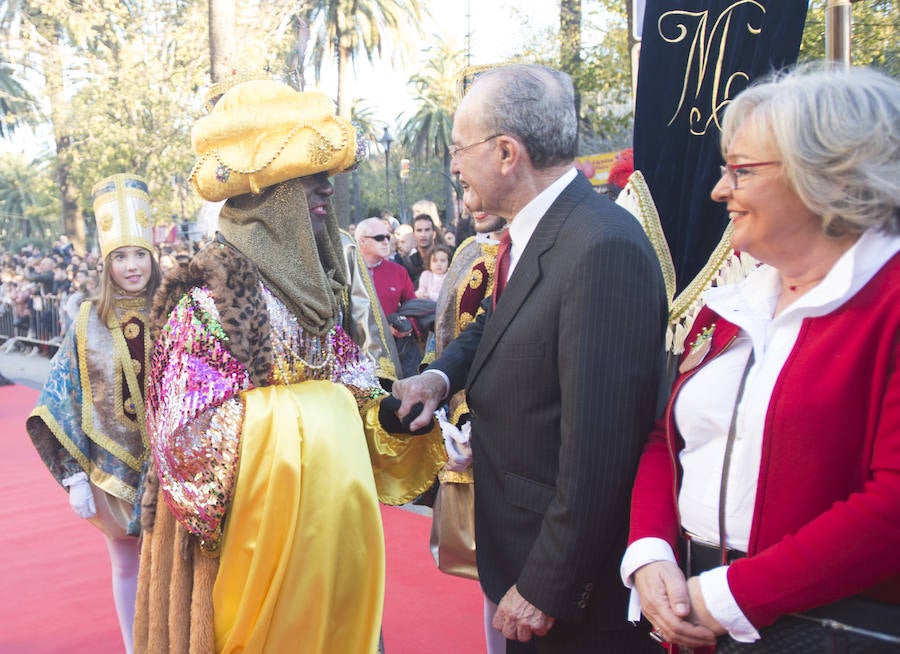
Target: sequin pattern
<point>196,416</point>
<point>334,356</point>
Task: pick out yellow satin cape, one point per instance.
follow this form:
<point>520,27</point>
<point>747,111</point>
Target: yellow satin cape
<point>302,559</point>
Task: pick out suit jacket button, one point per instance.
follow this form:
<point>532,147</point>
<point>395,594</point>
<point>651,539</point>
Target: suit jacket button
<point>582,604</point>
<point>589,587</point>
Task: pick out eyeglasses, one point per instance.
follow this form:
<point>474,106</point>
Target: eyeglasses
<point>379,237</point>
<point>733,173</point>
<point>454,151</point>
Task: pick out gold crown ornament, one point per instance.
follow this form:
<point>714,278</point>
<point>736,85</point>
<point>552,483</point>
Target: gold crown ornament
<point>122,212</point>
<point>236,77</point>
<point>263,132</point>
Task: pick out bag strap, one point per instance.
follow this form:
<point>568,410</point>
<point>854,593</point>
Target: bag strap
<point>726,464</point>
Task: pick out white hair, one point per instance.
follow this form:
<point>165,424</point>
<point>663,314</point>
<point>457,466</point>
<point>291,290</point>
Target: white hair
<point>368,226</point>
<point>837,135</point>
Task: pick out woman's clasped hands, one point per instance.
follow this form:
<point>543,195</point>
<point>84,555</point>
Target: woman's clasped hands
<point>675,607</point>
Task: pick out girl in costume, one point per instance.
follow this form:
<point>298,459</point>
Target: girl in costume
<point>89,425</point>
<point>262,531</point>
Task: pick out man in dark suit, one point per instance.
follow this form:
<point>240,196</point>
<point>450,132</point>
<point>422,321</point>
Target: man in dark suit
<point>562,371</point>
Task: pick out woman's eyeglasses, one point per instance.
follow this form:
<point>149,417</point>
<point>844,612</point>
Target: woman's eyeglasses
<point>734,172</point>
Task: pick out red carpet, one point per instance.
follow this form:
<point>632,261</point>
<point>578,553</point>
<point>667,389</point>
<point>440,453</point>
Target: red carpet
<point>54,588</point>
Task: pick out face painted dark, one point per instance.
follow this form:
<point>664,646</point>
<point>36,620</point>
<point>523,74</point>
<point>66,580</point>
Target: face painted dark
<point>318,189</point>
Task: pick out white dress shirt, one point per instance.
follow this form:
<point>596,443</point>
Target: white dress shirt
<point>522,226</point>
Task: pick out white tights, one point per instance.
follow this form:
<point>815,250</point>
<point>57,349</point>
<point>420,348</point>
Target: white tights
<point>123,555</point>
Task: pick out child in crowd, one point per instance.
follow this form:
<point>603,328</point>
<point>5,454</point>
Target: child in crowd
<point>430,281</point>
<point>89,425</point>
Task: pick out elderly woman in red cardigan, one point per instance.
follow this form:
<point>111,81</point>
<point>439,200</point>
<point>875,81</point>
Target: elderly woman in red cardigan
<point>774,474</point>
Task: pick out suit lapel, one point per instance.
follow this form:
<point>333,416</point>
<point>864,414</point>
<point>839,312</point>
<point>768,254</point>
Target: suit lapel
<point>528,272</point>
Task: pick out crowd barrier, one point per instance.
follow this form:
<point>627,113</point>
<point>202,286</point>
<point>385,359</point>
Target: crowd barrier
<point>40,327</point>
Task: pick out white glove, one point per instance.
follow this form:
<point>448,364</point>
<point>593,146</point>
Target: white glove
<point>456,442</point>
<point>81,497</point>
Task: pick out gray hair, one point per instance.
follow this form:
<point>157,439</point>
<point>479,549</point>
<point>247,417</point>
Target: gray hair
<point>537,104</point>
<point>367,227</point>
<point>837,135</point>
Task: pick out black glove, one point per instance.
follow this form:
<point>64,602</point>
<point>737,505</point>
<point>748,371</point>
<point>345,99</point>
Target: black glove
<point>387,416</point>
<point>401,323</point>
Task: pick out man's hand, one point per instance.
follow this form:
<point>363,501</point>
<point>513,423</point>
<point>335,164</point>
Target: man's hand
<point>427,389</point>
<point>518,619</point>
<point>398,334</point>
<point>700,615</point>
<point>666,603</point>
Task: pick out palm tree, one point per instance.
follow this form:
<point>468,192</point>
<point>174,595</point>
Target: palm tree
<point>29,207</point>
<point>428,134</point>
<point>16,105</point>
<point>47,36</point>
<point>569,35</point>
<point>342,31</point>
<point>365,122</point>
<point>222,39</point>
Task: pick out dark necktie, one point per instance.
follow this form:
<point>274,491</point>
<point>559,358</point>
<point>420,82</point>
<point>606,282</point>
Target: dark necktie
<point>502,268</point>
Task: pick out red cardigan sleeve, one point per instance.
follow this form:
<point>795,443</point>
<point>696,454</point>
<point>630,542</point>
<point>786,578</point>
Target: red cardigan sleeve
<point>851,467</point>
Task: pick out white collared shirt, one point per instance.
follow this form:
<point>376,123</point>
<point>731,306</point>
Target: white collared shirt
<point>523,224</point>
<point>750,305</point>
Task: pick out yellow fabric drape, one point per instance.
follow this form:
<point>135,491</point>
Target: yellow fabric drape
<point>302,560</point>
<point>404,466</point>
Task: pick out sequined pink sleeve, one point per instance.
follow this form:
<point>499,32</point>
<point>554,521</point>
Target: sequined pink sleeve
<point>195,415</point>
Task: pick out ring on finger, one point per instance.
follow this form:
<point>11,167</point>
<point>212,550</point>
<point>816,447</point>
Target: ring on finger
<point>657,635</point>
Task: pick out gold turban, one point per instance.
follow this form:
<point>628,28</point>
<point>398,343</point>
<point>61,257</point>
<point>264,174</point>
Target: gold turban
<point>122,212</point>
<point>263,132</point>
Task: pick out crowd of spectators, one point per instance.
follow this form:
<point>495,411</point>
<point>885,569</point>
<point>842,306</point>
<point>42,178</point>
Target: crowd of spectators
<point>41,290</point>
<point>412,247</point>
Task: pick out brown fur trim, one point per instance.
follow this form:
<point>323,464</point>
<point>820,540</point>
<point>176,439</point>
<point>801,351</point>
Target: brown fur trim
<point>233,280</point>
<point>203,626</point>
<point>173,287</point>
<point>149,497</point>
<point>174,610</point>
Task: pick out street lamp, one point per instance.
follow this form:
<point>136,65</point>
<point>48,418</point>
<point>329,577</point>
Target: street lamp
<point>386,140</point>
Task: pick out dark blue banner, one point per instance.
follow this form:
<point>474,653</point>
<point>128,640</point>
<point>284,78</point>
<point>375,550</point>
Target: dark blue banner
<point>696,56</point>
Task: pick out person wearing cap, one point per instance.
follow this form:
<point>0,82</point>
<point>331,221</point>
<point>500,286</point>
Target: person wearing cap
<point>89,423</point>
<point>262,529</point>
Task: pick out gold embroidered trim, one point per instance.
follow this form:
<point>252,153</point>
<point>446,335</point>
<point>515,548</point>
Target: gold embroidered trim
<point>123,355</point>
<point>87,403</point>
<point>473,280</point>
<point>321,151</point>
<point>452,477</point>
<point>56,429</point>
<point>113,485</point>
<point>691,294</point>
<point>649,219</point>
<point>461,409</point>
<point>723,267</point>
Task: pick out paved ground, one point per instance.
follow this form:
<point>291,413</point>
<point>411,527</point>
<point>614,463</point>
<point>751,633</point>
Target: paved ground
<point>26,369</point>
